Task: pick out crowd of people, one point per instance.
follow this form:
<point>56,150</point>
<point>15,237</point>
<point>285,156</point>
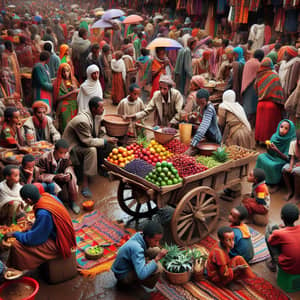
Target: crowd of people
<point>73,68</point>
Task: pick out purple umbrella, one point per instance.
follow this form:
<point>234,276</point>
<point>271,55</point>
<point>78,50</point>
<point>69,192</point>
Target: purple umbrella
<point>102,24</point>
<point>112,14</point>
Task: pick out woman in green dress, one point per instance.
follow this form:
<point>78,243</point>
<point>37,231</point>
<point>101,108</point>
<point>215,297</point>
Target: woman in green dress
<point>277,152</point>
<point>65,96</point>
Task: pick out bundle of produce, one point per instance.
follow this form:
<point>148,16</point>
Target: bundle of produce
<point>156,147</point>
<point>208,161</point>
<point>236,152</point>
<point>220,155</point>
<point>186,165</point>
<point>121,156</point>
<point>176,146</point>
<point>164,174</point>
<point>139,167</point>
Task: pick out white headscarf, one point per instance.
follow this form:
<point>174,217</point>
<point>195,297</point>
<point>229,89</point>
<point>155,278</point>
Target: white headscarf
<point>234,107</point>
<point>90,88</point>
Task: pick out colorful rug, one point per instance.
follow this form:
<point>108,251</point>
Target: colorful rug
<point>255,288</point>
<point>95,229</point>
<point>261,251</point>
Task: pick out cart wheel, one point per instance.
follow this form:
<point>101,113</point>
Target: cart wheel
<point>195,216</point>
<point>135,202</point>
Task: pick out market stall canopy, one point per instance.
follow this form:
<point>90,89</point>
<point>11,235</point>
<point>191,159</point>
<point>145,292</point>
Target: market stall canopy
<point>133,19</point>
<point>102,24</point>
<point>164,42</point>
<point>113,14</point>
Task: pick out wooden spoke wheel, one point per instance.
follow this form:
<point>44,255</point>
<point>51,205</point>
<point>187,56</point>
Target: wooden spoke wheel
<point>195,216</point>
<point>135,202</point>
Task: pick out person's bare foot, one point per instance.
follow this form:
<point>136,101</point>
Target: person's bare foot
<point>273,188</point>
<point>295,199</point>
<point>272,266</point>
<point>288,196</point>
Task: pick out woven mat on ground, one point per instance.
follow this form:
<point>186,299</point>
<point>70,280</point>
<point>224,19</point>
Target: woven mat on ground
<point>95,229</point>
<point>261,251</point>
<point>251,289</point>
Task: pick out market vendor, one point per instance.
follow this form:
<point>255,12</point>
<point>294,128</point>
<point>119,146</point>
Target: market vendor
<point>222,269</point>
<point>85,138</point>
<point>40,127</point>
<point>11,136</point>
<point>208,127</point>
<point>52,235</point>
<point>130,265</point>
<point>166,103</point>
<point>56,168</point>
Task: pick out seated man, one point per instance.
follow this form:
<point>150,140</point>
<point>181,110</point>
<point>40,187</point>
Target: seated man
<point>40,127</point>
<point>208,127</point>
<point>56,167</point>
<point>130,265</point>
<point>283,241</point>
<point>242,237</point>
<point>52,235</point>
<point>221,269</point>
<point>30,174</point>
<point>11,204</point>
<point>85,137</point>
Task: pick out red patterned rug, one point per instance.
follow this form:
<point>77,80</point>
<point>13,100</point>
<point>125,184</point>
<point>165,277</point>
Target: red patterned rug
<point>250,289</point>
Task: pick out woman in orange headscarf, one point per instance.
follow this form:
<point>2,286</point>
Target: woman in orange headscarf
<point>65,90</point>
<point>64,55</point>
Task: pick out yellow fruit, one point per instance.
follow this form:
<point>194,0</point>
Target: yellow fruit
<point>268,142</point>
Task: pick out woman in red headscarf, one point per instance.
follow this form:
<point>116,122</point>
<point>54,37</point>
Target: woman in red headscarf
<point>270,101</point>
<point>65,91</point>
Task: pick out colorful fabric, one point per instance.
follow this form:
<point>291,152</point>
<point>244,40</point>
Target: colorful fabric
<point>67,108</point>
<point>292,51</point>
<point>65,234</point>
<point>240,52</point>
<point>95,229</point>
<point>249,73</point>
<point>63,50</point>
<point>268,84</point>
<point>270,162</point>
<point>157,66</point>
<point>254,288</point>
<point>8,137</point>
<point>144,72</point>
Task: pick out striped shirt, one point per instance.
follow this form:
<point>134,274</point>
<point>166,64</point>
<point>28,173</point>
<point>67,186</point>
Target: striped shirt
<point>208,127</point>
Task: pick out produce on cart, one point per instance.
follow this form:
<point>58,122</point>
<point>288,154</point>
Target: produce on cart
<point>189,184</point>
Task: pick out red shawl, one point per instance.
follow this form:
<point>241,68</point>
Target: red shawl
<point>65,234</point>
<point>267,83</point>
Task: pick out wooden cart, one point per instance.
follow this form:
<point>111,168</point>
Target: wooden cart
<point>195,199</point>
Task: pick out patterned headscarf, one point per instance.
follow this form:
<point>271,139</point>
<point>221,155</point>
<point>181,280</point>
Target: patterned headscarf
<point>63,49</point>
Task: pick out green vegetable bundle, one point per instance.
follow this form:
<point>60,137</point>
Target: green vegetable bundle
<point>208,161</point>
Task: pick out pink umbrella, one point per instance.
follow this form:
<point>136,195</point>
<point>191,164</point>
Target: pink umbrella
<point>133,19</point>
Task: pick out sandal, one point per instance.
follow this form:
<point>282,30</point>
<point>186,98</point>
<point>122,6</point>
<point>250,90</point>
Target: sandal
<point>86,193</point>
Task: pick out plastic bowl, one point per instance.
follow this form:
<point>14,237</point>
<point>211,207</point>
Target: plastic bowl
<point>28,280</point>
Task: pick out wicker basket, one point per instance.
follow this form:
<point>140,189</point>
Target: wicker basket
<point>178,278</point>
<point>115,125</point>
<point>92,256</point>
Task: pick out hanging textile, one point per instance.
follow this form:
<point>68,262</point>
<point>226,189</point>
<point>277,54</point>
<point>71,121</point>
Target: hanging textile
<point>221,5</point>
<point>279,19</point>
<point>254,5</point>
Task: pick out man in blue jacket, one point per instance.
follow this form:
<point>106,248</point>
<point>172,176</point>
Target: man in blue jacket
<point>131,266</point>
